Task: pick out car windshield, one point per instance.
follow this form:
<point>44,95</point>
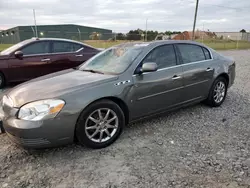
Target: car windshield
<point>114,60</point>
<point>13,48</point>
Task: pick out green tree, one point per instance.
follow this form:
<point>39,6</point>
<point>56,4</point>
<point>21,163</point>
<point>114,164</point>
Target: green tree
<point>243,31</point>
<point>120,36</point>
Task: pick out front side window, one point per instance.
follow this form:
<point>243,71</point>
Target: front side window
<point>114,60</point>
<point>61,46</point>
<point>191,53</point>
<point>163,56</point>
<point>36,48</point>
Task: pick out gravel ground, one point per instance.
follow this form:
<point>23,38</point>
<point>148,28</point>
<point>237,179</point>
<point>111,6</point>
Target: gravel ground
<point>193,147</point>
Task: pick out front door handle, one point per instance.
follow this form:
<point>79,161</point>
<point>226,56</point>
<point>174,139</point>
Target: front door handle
<point>79,55</point>
<point>176,77</point>
<point>209,69</point>
<point>45,60</point>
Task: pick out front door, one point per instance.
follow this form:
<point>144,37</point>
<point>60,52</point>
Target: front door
<point>160,90</point>
<point>198,71</point>
<point>33,64</point>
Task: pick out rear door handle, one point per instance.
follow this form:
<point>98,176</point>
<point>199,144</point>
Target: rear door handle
<point>176,77</point>
<point>79,55</point>
<point>209,69</point>
<point>45,60</point>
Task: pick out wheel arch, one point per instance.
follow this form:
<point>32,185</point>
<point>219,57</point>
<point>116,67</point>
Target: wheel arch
<point>116,100</point>
<point>224,75</point>
<point>4,77</point>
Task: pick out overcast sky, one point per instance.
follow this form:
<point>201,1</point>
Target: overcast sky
<point>123,15</point>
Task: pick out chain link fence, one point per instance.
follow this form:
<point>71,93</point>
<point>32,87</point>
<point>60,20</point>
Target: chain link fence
<point>216,40</point>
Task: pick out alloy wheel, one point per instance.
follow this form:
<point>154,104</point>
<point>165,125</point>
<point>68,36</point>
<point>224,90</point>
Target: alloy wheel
<point>101,125</point>
<point>219,91</point>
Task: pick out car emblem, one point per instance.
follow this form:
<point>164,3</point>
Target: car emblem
<point>122,82</point>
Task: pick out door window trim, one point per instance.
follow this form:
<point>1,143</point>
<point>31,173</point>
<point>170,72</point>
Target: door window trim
<point>57,53</point>
<point>176,57</point>
<point>193,62</point>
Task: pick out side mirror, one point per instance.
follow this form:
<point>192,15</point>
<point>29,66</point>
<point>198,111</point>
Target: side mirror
<point>149,67</point>
<point>19,54</point>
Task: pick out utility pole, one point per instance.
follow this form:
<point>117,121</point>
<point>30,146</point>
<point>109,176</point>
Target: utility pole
<point>203,33</point>
<point>195,16</point>
<point>79,32</point>
<point>146,30</point>
<point>34,14</point>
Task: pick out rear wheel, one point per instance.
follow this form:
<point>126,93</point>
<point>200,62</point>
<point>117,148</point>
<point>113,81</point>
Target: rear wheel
<point>217,92</point>
<point>2,80</point>
<point>100,124</point>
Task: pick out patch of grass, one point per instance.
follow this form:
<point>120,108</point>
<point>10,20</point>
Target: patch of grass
<point>226,44</point>
<point>4,46</point>
<point>215,44</point>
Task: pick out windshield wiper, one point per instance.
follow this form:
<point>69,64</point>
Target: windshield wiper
<point>93,71</point>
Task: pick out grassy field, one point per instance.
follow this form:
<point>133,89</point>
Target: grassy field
<point>215,44</point>
<point>4,46</point>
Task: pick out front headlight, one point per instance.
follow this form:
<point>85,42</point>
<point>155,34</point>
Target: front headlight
<point>40,110</point>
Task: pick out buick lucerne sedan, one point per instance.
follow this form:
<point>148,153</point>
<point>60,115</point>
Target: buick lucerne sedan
<point>37,57</point>
<point>91,104</point>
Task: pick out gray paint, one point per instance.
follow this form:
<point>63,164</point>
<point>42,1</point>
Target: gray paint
<point>144,94</point>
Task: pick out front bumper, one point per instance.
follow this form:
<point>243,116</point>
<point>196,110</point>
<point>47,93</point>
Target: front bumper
<point>40,134</point>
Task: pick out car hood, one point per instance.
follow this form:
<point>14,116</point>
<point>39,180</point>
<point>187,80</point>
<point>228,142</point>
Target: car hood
<point>56,84</point>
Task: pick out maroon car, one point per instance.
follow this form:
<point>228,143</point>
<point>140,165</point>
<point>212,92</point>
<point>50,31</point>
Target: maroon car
<point>36,57</point>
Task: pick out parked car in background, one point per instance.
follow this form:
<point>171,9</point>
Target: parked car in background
<point>92,104</point>
<point>37,57</point>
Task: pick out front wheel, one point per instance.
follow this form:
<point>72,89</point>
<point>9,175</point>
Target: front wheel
<point>100,124</point>
<point>217,92</point>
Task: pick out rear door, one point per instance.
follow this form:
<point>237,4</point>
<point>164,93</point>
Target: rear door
<point>33,64</point>
<point>198,70</point>
<point>67,55</point>
<point>156,91</point>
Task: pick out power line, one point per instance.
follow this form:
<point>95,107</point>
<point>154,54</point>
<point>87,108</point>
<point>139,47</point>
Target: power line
<point>221,6</point>
<point>226,7</point>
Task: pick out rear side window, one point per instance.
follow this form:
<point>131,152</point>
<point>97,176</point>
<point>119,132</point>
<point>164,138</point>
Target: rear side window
<point>163,56</point>
<point>36,48</point>
<point>191,53</point>
<point>207,53</point>
<point>61,46</point>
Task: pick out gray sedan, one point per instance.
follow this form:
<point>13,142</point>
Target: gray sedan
<point>92,103</point>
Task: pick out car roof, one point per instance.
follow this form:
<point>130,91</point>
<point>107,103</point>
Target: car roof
<point>141,44</point>
<point>58,39</point>
<point>175,42</point>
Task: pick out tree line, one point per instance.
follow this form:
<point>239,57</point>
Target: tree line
<point>139,34</point>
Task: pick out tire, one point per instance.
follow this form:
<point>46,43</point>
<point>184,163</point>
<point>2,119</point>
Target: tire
<point>214,101</point>
<point>87,127</point>
<point>2,81</point>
